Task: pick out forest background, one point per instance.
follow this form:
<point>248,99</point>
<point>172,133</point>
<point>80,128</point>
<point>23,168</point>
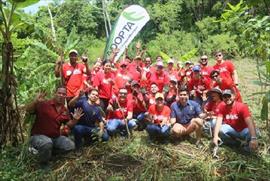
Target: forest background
<point>184,30</point>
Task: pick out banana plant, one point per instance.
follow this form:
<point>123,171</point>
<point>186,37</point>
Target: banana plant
<point>10,20</point>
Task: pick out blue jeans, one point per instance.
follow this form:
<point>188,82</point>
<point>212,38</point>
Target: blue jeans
<point>90,133</point>
<point>231,137</point>
<point>118,125</point>
<point>155,131</point>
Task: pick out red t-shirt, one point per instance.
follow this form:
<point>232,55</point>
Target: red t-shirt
<point>104,83</point>
<point>159,116</point>
<point>234,116</point>
<point>161,80</point>
<point>225,68</point>
<point>122,111</point>
<point>132,69</point>
<point>48,120</point>
<point>137,102</point>
<point>121,79</point>
<point>199,85</point>
<point>211,106</point>
<point>206,71</point>
<point>74,77</point>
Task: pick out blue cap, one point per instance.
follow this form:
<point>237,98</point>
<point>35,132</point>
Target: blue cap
<point>196,68</point>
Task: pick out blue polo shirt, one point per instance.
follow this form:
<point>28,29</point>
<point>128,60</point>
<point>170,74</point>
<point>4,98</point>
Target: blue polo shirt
<point>184,114</point>
<point>91,115</point>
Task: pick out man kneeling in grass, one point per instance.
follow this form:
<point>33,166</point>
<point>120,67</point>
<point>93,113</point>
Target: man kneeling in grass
<point>159,126</point>
<point>46,136</point>
<point>234,123</point>
<point>90,127</point>
<point>186,117</point>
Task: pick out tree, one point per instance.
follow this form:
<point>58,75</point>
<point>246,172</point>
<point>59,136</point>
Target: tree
<point>9,114</point>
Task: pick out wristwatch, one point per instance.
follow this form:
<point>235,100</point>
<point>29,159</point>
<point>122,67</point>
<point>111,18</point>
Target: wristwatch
<point>253,138</point>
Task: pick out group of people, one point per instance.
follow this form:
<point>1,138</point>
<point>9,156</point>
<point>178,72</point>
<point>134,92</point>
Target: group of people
<point>166,99</point>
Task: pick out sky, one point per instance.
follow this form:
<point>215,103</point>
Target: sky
<point>34,8</point>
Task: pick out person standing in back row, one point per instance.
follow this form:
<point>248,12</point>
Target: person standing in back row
<point>226,68</point>
<point>73,73</point>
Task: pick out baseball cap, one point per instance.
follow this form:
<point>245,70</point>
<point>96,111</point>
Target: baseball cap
<point>173,80</point>
<point>160,64</point>
<point>138,58</point>
<point>227,92</point>
<point>123,63</point>
<point>159,95</point>
<point>73,51</point>
<point>216,90</point>
<point>214,73</point>
<point>134,82</point>
<point>196,68</point>
<point>170,61</point>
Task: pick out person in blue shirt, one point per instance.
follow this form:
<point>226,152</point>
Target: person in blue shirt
<point>186,116</point>
<point>90,127</point>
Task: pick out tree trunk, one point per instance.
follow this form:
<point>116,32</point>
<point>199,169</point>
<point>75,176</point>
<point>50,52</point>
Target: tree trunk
<point>10,124</point>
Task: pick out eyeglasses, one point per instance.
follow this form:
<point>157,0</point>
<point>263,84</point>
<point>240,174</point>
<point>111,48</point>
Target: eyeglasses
<point>218,55</point>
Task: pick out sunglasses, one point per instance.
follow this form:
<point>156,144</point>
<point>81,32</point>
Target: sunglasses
<point>203,59</point>
<point>214,76</point>
<point>123,93</point>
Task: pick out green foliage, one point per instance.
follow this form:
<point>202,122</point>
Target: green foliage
<point>170,44</point>
<point>224,42</point>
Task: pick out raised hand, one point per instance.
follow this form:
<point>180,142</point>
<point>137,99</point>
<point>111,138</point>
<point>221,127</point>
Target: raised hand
<point>78,113</point>
<point>138,45</point>
<point>40,96</point>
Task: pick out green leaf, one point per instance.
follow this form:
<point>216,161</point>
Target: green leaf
<point>264,110</point>
<point>164,56</point>
<point>24,3</point>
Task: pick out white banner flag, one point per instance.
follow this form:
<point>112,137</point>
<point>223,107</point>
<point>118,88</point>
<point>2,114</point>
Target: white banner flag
<point>127,26</point>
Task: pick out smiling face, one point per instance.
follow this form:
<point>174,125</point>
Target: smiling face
<point>219,56</point>
<point>122,94</point>
<point>228,99</point>
<point>204,60</point>
<point>60,95</point>
<point>73,58</point>
<point>107,67</point>
<point>183,97</point>
<point>93,96</point>
<point>154,88</point>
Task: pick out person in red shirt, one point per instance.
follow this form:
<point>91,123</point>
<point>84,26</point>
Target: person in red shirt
<point>226,68</point>
<point>135,68</point>
<point>73,73</point>
<point>153,91</point>
<point>120,113</point>
<point>198,85</point>
<point>122,77</point>
<point>223,83</point>
<point>160,77</point>
<point>172,73</point>
<point>159,127</point>
<point>46,134</point>
<point>205,68</point>
<point>210,108</point>
<point>234,123</point>
<point>146,72</point>
<point>170,96</point>
<point>104,81</point>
